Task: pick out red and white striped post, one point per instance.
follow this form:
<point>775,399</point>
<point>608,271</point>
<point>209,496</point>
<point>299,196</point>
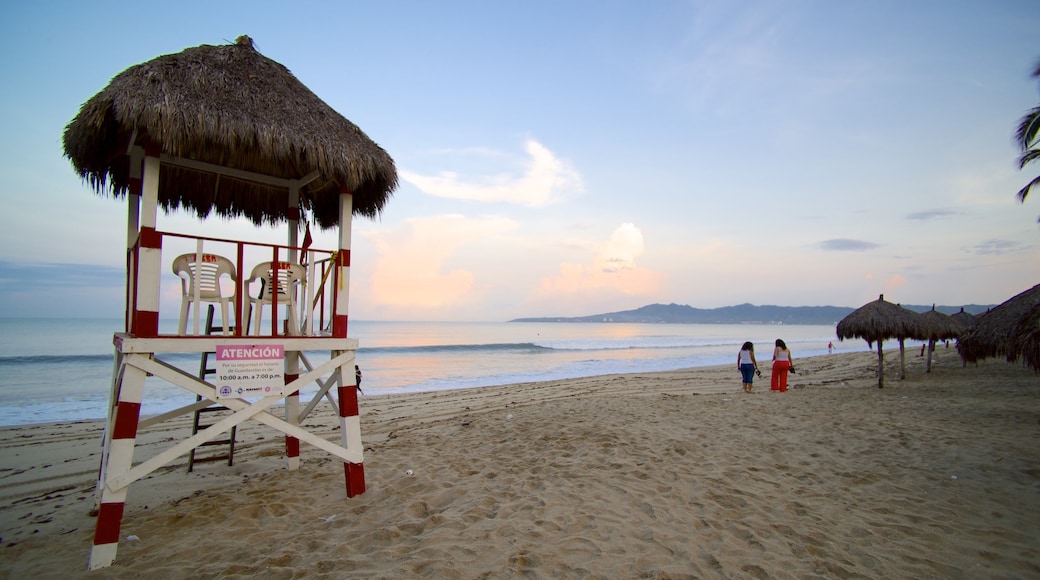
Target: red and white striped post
<point>350,421</point>
<point>145,316</point>
<point>118,453</point>
<point>118,459</point>
<point>292,359</point>
<point>133,229</point>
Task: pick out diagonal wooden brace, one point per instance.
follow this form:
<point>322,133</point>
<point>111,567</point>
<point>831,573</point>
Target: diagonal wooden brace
<point>243,410</point>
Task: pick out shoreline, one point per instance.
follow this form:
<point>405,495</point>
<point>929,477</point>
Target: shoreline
<point>666,473</point>
<point>396,358</point>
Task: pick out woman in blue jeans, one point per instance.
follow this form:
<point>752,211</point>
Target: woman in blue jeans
<point>747,365</point>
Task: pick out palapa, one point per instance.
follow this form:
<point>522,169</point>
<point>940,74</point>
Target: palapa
<point>966,319</point>
<point>939,326</point>
<point>232,107</point>
<point>878,321</point>
<point>1025,337</point>
<point>992,334</point>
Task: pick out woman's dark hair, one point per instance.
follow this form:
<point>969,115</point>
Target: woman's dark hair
<point>748,346</point>
<point>781,344</point>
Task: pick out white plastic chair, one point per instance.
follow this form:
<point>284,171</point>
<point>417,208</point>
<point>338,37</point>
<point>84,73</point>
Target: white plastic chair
<point>284,288</point>
<point>202,280</point>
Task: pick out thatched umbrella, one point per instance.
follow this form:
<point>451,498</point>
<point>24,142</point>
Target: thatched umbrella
<point>229,106</point>
<point>1025,336</point>
<point>878,321</point>
<point>939,326</point>
<point>992,334</point>
<point>966,319</point>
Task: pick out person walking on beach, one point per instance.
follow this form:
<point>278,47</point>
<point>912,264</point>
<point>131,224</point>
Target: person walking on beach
<point>747,365</point>
<point>357,379</point>
<point>782,362</point>
<point>830,347</point>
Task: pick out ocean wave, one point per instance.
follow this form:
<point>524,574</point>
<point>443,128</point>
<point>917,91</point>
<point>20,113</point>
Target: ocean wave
<point>546,346</point>
<point>54,359</point>
<point>86,359</point>
<point>540,346</point>
<point>454,348</point>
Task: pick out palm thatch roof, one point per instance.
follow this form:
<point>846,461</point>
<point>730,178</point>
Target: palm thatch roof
<point>232,107</point>
<point>939,326</point>
<point>1025,337</point>
<point>992,334</point>
<point>966,319</point>
<point>880,320</point>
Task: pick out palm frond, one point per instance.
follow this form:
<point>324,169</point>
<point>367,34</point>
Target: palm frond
<point>1028,157</point>
<point>1028,130</point>
<point>1024,192</point>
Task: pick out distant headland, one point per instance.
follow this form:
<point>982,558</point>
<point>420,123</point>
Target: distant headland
<point>739,314</point>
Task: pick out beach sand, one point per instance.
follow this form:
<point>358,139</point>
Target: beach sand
<point>657,475</point>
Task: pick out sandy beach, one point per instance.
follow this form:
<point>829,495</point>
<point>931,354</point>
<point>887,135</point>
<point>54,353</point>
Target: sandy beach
<point>659,475</point>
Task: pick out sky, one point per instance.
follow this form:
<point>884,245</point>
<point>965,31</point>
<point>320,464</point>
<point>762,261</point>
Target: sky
<point>568,158</point>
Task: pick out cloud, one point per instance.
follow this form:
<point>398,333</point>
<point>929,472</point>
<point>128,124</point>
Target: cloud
<point>846,245</point>
<point>545,180</point>
<point>932,214</point>
<point>54,289</point>
<point>894,282</point>
<point>411,267</point>
<point>42,275</point>
<point>612,270</point>
<point>624,245</point>
<point>997,247</point>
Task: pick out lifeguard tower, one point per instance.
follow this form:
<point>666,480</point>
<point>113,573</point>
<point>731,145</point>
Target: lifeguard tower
<point>224,130</point>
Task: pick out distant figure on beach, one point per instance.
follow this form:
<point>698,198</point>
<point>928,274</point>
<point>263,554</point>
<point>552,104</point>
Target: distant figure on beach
<point>357,378</point>
<point>747,365</point>
<point>830,347</point>
<point>782,362</point>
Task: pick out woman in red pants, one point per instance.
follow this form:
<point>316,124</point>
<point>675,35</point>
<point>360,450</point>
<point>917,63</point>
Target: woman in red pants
<point>782,361</point>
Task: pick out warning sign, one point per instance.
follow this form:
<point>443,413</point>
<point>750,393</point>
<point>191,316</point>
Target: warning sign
<point>250,370</point>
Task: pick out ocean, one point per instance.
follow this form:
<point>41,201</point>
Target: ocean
<point>54,370</point>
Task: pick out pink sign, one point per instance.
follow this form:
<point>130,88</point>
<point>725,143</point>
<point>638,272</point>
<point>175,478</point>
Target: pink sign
<point>252,370</point>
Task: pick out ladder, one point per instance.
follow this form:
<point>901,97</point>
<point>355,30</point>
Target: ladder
<point>197,423</point>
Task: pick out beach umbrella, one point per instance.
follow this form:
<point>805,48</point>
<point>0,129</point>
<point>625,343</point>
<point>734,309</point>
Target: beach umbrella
<point>878,321</point>
<point>1025,336</point>
<point>966,319</point>
<point>992,334</point>
<point>939,326</point>
<point>229,106</point>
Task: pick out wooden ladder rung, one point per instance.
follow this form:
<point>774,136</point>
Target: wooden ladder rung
<point>210,458</point>
<point>204,370</point>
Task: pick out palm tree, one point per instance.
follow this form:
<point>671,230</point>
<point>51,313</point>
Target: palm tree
<point>1028,139</point>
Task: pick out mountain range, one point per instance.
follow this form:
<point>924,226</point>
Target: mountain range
<point>739,314</point>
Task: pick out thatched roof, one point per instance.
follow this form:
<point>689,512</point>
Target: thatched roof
<point>1025,337</point>
<point>229,106</point>
<point>941,326</point>
<point>966,319</point>
<point>992,334</point>
<point>880,320</point>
